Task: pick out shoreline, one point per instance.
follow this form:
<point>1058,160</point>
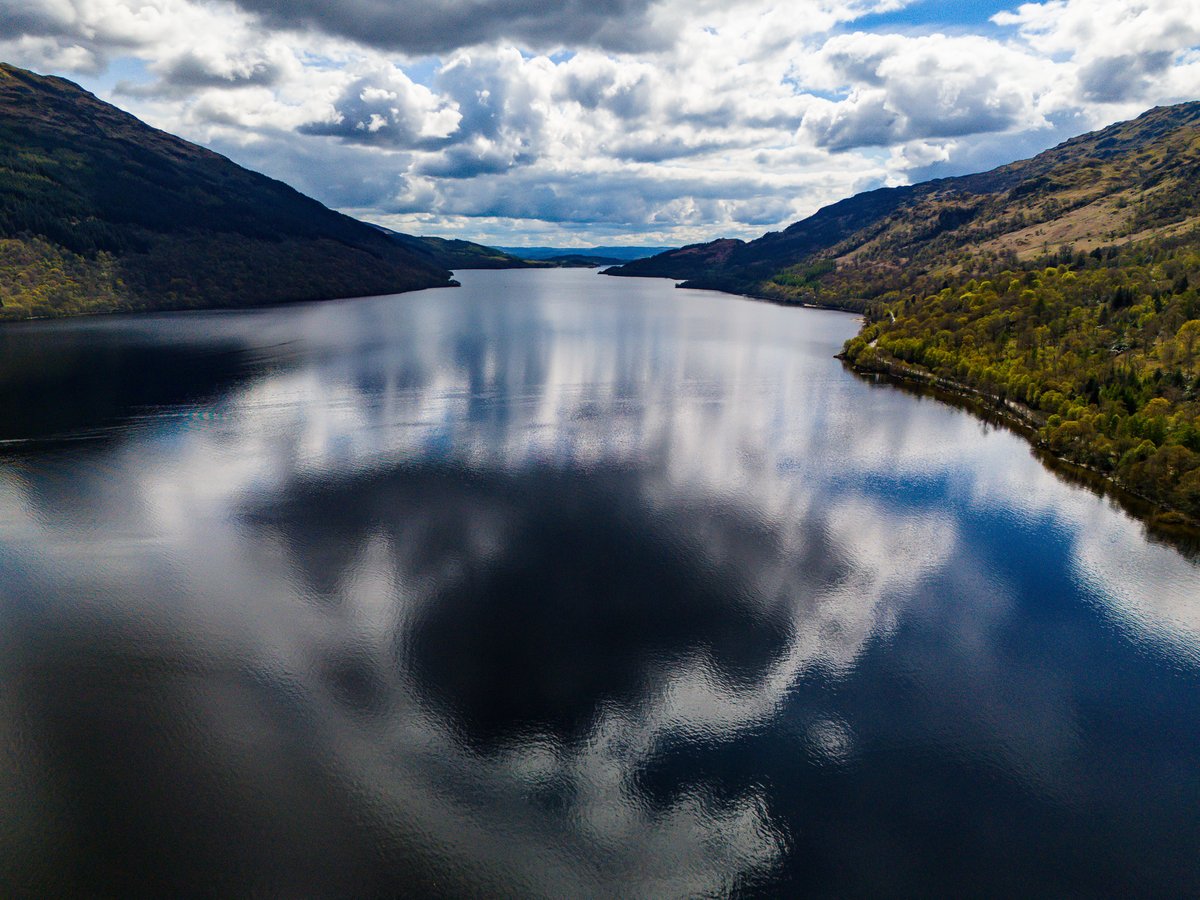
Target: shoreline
<point>1161,522</point>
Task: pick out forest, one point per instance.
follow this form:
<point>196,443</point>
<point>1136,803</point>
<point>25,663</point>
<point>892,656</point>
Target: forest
<point>1098,351</point>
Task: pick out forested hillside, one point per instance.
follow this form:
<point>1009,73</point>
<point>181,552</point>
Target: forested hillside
<point>451,253</point>
<point>99,212</point>
<point>1099,351</point>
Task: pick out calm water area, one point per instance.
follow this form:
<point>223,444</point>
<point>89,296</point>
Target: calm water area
<point>567,586</point>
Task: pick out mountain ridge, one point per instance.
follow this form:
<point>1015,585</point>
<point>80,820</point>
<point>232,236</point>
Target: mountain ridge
<point>617,252</point>
<point>998,210</point>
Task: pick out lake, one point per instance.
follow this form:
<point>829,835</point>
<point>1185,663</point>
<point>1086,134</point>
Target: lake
<point>562,585</point>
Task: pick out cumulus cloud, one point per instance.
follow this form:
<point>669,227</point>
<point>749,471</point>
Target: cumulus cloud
<point>1107,28</point>
<point>262,67</point>
<point>36,19</point>
<point>108,25</point>
<point>50,54</point>
<point>626,89</point>
<point>386,107</point>
<point>1115,78</point>
<point>907,89</point>
<point>613,25</point>
<point>1123,49</point>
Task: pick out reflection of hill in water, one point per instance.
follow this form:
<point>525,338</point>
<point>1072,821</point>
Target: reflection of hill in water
<point>87,378</point>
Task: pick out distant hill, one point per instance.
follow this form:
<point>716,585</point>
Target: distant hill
<point>1061,292</point>
<point>602,255</point>
<point>459,254</point>
<point>450,253</point>
<point>100,212</point>
<point>581,260</point>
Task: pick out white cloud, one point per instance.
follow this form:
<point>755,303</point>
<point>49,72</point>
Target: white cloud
<point>1106,28</point>
<point>1122,50</point>
<point>49,54</point>
<point>906,89</point>
<point>385,106</point>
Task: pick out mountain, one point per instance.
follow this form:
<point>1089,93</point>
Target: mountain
<point>1130,181</point>
<point>459,254</point>
<point>1061,293</point>
<point>100,212</point>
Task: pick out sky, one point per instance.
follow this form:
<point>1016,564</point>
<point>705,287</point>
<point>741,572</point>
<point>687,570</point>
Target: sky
<point>581,122</point>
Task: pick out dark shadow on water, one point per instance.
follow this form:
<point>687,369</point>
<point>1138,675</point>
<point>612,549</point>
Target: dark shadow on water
<point>185,779</point>
<point>71,381</point>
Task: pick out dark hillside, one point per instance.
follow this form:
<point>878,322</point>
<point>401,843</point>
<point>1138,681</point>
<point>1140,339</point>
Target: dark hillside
<point>101,212</point>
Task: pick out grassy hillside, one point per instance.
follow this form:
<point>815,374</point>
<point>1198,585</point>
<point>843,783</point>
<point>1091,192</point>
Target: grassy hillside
<point>99,212</point>
<point>1063,290</point>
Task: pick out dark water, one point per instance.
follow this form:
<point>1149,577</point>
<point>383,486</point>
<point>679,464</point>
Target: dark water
<point>559,585</point>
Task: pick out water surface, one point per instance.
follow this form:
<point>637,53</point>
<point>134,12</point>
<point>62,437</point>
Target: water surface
<point>560,585</point>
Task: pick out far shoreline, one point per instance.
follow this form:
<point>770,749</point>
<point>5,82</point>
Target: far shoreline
<point>1162,523</point>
